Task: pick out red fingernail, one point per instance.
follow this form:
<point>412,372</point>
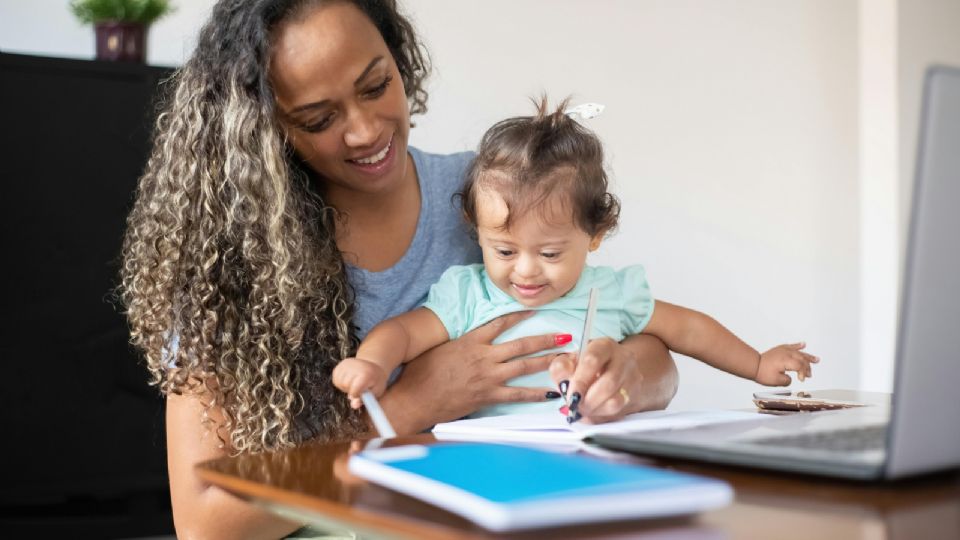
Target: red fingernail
<point>564,410</point>
<point>562,339</point>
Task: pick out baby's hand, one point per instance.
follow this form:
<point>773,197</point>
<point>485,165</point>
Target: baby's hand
<point>356,375</point>
<point>777,361</point>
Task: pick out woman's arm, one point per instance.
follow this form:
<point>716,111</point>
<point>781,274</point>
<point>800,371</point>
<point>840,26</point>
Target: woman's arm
<point>658,379</point>
<point>464,375</point>
<point>199,509</point>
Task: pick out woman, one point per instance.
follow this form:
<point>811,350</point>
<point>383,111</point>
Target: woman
<point>280,207</point>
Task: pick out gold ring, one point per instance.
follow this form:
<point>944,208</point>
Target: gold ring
<point>625,394</point>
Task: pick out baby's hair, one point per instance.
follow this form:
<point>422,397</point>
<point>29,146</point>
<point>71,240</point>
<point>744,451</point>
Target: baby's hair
<point>526,159</point>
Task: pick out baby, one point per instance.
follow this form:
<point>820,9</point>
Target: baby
<point>537,196</point>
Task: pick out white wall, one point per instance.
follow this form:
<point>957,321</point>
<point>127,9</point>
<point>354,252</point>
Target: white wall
<point>929,34</point>
<point>732,135</point>
<point>898,41</point>
<point>880,229</point>
<point>732,130</point>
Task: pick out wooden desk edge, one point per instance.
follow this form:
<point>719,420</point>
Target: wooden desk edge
<point>376,522</point>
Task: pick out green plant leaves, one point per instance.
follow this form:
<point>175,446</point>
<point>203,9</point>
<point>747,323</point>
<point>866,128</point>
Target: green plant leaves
<point>140,11</point>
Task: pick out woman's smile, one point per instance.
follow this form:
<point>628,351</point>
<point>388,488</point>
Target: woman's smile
<point>378,162</point>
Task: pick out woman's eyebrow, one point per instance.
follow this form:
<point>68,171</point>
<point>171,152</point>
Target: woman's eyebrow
<point>366,70</point>
<point>317,104</point>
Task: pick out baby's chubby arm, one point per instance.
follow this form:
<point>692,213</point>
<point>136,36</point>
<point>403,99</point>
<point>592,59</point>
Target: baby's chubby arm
<point>389,344</point>
<point>700,336</point>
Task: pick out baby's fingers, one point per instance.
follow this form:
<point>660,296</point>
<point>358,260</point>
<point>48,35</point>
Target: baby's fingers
<point>806,360</point>
<point>799,364</point>
<point>340,378</point>
<point>782,379</point>
<point>356,403</point>
<point>807,357</point>
<point>358,385</point>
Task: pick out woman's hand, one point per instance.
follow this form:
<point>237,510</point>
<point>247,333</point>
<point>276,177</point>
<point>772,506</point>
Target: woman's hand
<point>614,379</point>
<point>461,376</point>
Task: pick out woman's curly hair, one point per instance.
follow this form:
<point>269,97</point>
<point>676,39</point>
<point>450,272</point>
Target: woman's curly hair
<point>231,279</point>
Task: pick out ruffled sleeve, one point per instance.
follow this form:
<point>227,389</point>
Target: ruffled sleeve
<point>637,299</point>
<point>454,298</point>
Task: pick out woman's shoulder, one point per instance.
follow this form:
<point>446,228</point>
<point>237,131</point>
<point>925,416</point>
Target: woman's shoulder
<point>462,157</point>
<point>441,167</point>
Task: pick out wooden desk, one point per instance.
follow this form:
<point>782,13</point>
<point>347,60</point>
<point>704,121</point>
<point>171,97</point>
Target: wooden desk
<point>312,484</point>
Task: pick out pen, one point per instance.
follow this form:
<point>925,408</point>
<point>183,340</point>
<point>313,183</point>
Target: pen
<point>377,416</point>
<point>572,414</point>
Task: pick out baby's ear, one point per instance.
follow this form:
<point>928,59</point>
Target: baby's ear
<point>597,240</point>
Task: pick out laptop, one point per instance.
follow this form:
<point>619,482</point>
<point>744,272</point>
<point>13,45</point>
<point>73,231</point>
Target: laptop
<point>918,430</point>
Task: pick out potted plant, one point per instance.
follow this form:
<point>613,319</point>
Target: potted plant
<point>120,25</point>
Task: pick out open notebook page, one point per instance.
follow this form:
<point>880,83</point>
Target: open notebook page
<point>552,427</point>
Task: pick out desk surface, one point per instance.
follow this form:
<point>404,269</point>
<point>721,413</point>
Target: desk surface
<point>312,484</point>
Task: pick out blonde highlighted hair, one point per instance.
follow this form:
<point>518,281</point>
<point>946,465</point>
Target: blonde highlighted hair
<point>230,250</point>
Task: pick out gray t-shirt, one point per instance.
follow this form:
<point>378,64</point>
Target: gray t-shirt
<point>442,240</point>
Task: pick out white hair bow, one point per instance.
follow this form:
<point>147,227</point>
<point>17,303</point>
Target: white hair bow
<point>584,111</point>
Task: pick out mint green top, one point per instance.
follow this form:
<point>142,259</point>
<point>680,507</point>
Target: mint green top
<point>465,298</point>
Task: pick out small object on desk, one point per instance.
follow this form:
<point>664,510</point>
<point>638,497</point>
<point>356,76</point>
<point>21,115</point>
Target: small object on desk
<point>505,488</point>
<point>377,415</point>
<point>799,402</point>
<point>572,415</point>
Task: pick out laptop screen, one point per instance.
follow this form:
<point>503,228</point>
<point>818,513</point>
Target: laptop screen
<point>924,434</point>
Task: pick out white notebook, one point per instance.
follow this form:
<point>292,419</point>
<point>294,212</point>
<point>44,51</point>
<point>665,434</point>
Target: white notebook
<point>552,427</point>
<point>503,487</point>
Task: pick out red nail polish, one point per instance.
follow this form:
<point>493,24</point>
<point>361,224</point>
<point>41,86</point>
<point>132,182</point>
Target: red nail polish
<point>562,339</point>
<point>563,410</point>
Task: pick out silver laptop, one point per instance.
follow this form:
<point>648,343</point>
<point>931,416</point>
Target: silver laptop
<point>918,429</point>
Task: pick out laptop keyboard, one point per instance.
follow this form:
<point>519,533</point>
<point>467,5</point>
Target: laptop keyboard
<point>842,440</point>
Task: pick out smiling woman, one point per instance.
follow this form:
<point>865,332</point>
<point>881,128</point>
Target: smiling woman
<point>282,214</point>
<point>344,104</point>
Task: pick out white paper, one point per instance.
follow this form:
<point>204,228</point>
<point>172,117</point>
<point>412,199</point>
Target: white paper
<point>552,427</point>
